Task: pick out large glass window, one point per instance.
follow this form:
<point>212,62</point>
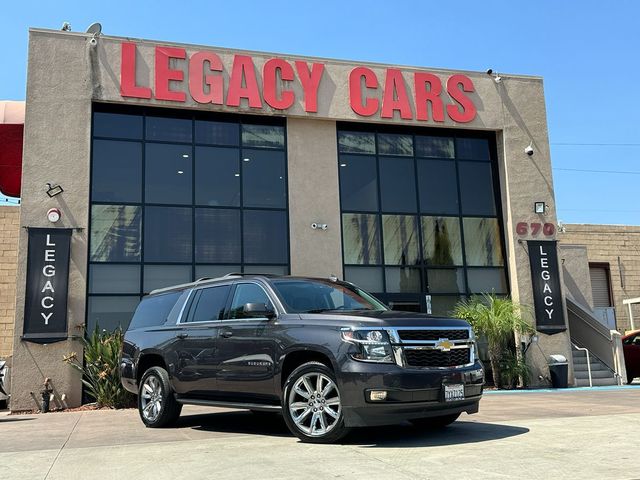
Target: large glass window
<point>176,197</point>
<point>420,215</point>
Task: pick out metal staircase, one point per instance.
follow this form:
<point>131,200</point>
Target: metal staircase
<point>601,375</point>
<point>604,348</point>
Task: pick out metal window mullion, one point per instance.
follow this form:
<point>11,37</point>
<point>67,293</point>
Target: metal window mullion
<point>379,215</point>
<point>460,217</point>
<point>193,199</point>
<point>143,199</point>
<point>424,277</point>
<point>241,171</point>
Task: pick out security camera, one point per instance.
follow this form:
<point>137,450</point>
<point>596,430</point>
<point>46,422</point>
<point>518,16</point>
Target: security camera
<point>314,225</point>
<point>529,151</point>
<point>324,226</point>
<point>489,71</point>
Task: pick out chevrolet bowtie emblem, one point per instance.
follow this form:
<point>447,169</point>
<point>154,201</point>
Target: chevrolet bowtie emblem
<point>444,345</point>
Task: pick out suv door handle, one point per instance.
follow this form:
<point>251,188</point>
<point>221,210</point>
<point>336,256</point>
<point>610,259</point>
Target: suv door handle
<point>226,334</point>
<point>182,336</point>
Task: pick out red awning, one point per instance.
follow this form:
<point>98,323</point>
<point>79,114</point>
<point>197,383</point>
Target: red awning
<point>11,134</point>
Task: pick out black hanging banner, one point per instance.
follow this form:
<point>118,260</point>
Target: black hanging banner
<point>547,295</point>
<point>45,312</point>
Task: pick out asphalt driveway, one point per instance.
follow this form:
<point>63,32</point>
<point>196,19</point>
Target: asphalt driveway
<point>559,434</point>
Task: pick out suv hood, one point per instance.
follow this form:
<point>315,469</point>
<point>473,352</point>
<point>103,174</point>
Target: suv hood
<point>389,318</point>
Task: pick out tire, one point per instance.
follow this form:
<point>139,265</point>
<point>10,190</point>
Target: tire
<point>156,404</point>
<point>435,423</point>
<point>313,423</point>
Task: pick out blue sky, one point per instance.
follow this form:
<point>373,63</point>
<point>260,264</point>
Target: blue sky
<point>587,51</point>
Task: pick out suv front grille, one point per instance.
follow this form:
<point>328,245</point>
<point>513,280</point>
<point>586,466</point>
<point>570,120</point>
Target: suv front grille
<point>437,358</point>
<point>421,335</point>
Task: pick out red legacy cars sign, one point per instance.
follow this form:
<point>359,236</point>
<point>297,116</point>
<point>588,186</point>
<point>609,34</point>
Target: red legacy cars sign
<point>369,94</point>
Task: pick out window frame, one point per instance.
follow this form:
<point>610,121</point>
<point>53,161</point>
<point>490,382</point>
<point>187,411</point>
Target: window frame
<point>454,134</point>
<point>145,112</point>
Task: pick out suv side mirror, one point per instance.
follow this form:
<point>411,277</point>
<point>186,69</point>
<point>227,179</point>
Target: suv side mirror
<point>258,310</point>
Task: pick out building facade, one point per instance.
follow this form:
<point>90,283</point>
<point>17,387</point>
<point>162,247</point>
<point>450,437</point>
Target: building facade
<point>613,259</point>
<point>176,162</point>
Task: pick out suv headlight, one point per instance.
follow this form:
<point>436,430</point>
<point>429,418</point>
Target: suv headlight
<point>372,345</point>
<point>474,346</point>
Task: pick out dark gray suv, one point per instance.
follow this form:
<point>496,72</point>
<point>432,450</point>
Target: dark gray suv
<point>322,352</point>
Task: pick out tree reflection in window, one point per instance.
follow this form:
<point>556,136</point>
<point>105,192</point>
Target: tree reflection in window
<point>441,241</point>
<point>115,233</point>
<point>361,235</point>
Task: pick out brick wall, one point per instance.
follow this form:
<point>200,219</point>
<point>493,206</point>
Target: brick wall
<point>9,230</point>
<point>605,244</point>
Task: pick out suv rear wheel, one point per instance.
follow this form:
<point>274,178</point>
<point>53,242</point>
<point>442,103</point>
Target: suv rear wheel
<point>312,408</point>
<point>156,404</point>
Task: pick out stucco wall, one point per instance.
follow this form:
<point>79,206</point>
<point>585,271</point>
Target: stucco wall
<point>619,247</point>
<point>56,150</point>
<point>65,74</point>
<point>9,230</point>
<point>314,196</point>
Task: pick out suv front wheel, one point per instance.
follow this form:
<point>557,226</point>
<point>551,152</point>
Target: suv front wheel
<point>312,408</point>
<point>156,404</point>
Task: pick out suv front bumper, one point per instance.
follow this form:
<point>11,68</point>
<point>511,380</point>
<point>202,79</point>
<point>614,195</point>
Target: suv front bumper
<point>411,392</point>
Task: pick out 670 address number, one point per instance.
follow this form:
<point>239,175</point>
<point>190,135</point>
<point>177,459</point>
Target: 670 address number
<point>524,228</point>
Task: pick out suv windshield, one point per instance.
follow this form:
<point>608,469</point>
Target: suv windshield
<point>315,296</point>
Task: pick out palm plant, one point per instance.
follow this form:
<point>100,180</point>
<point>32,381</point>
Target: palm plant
<point>497,319</point>
<point>100,368</point>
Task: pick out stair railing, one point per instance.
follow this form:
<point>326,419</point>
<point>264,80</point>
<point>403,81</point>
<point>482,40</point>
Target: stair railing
<point>588,362</point>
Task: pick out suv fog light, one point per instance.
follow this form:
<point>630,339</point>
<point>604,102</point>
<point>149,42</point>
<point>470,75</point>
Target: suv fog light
<point>378,395</point>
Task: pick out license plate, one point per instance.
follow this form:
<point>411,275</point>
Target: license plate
<point>453,393</point>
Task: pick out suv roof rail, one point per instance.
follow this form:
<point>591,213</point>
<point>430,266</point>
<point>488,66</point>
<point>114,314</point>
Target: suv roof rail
<point>209,279</point>
<point>238,274</point>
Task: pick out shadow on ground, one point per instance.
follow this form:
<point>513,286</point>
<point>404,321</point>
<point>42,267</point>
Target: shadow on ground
<point>14,419</point>
<point>404,435</point>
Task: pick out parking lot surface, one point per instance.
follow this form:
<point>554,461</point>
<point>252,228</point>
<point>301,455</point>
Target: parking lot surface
<point>534,435</point>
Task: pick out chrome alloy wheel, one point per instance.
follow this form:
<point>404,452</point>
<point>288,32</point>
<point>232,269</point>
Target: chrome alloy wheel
<point>314,404</point>
<point>151,398</point>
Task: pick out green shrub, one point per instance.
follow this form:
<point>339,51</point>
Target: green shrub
<point>101,368</point>
<point>512,368</point>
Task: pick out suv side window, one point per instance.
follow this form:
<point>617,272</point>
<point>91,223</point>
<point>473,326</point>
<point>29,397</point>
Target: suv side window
<point>154,310</point>
<point>210,304</point>
<point>247,293</point>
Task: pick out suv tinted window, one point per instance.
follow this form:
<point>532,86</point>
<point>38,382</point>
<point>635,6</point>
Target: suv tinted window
<point>247,293</point>
<point>308,296</point>
<point>155,310</point>
<point>210,304</point>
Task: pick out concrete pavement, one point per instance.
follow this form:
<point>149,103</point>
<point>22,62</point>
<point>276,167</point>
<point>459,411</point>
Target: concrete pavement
<point>565,434</point>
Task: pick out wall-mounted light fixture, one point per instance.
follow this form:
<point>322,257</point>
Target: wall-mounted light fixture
<point>540,207</point>
<point>53,190</point>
